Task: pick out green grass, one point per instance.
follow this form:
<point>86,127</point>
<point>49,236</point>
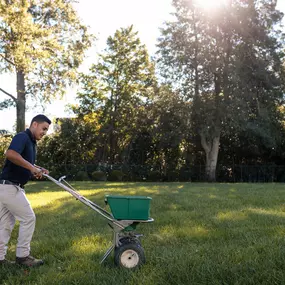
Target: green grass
<point>202,234</point>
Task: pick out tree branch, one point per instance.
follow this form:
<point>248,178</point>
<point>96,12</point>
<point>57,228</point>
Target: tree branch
<point>8,60</point>
<point>204,143</point>
<point>8,94</point>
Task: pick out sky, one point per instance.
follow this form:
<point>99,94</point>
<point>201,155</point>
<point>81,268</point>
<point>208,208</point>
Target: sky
<point>103,18</point>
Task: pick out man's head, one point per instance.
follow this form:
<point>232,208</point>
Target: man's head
<point>39,126</point>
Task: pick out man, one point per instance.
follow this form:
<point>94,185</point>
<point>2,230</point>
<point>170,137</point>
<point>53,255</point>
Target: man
<point>18,169</point>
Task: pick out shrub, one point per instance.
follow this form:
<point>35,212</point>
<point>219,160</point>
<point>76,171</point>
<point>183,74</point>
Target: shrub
<point>154,176</point>
<point>99,176</point>
<point>81,176</point>
<point>172,176</point>
<point>185,175</point>
<point>116,175</point>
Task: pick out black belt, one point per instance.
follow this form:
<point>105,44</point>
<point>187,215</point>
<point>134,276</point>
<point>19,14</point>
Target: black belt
<point>11,183</point>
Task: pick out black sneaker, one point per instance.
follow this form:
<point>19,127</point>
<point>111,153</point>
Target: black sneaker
<point>29,261</point>
<point>6,262</point>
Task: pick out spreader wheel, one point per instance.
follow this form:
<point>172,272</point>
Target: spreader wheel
<point>129,255</point>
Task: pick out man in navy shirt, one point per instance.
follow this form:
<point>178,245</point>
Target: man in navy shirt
<point>18,169</point>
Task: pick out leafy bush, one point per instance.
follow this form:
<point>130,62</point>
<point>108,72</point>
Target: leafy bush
<point>99,176</point>
<point>172,176</point>
<point>154,176</point>
<point>116,175</point>
<point>185,175</point>
<point>81,176</point>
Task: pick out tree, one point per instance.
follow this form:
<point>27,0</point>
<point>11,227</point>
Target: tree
<point>5,140</point>
<point>170,129</point>
<point>43,42</point>
<point>116,88</point>
<point>227,63</point>
<point>72,145</point>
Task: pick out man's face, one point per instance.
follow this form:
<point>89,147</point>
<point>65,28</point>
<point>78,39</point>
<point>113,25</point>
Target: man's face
<point>40,129</point>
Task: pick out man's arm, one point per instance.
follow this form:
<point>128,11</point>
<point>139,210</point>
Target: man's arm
<point>17,159</point>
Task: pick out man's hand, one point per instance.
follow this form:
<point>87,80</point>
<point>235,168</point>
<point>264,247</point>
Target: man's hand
<point>37,172</point>
<point>43,171</point>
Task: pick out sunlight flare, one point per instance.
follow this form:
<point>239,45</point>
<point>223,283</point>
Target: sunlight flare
<point>211,4</point>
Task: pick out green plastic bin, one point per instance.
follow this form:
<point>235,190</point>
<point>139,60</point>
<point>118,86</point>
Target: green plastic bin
<point>129,207</point>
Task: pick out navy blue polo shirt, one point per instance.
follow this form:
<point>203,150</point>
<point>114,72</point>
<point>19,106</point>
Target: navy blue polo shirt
<point>25,144</point>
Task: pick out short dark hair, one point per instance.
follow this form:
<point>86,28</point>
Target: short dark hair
<point>40,119</point>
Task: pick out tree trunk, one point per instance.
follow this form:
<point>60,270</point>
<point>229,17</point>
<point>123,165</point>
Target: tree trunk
<point>21,101</point>
<point>212,150</point>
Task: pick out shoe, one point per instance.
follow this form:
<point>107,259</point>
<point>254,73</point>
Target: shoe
<point>5,262</point>
<point>29,261</point>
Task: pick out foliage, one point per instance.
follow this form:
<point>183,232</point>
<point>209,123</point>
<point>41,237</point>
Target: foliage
<point>232,74</point>
<point>115,175</point>
<point>115,89</point>
<point>43,42</point>
<point>99,176</point>
<point>172,176</point>
<point>221,96</point>
<point>81,176</point>
<point>6,104</point>
<point>73,143</point>
<point>171,128</point>
<point>154,175</point>
<point>5,141</point>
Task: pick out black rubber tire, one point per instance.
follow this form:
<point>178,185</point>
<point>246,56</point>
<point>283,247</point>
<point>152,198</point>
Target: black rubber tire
<point>125,240</point>
<point>129,255</point>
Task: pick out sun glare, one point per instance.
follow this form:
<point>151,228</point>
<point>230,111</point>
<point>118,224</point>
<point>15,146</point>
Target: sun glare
<point>211,4</point>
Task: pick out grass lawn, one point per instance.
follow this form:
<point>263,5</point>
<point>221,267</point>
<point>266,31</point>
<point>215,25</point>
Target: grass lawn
<point>202,234</point>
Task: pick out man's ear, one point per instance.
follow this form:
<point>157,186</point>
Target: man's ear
<point>34,124</point>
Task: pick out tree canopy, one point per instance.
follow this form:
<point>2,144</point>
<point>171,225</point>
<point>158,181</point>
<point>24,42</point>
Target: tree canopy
<point>228,63</point>
<point>43,43</point>
<point>208,106</point>
<point>116,89</point>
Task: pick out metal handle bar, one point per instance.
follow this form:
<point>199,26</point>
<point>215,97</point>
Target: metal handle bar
<point>82,199</point>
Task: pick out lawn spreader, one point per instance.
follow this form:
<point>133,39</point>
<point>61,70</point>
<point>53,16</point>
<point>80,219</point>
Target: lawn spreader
<point>126,213</point>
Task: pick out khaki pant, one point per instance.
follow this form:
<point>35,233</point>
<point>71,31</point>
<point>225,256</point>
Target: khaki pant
<point>14,205</point>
